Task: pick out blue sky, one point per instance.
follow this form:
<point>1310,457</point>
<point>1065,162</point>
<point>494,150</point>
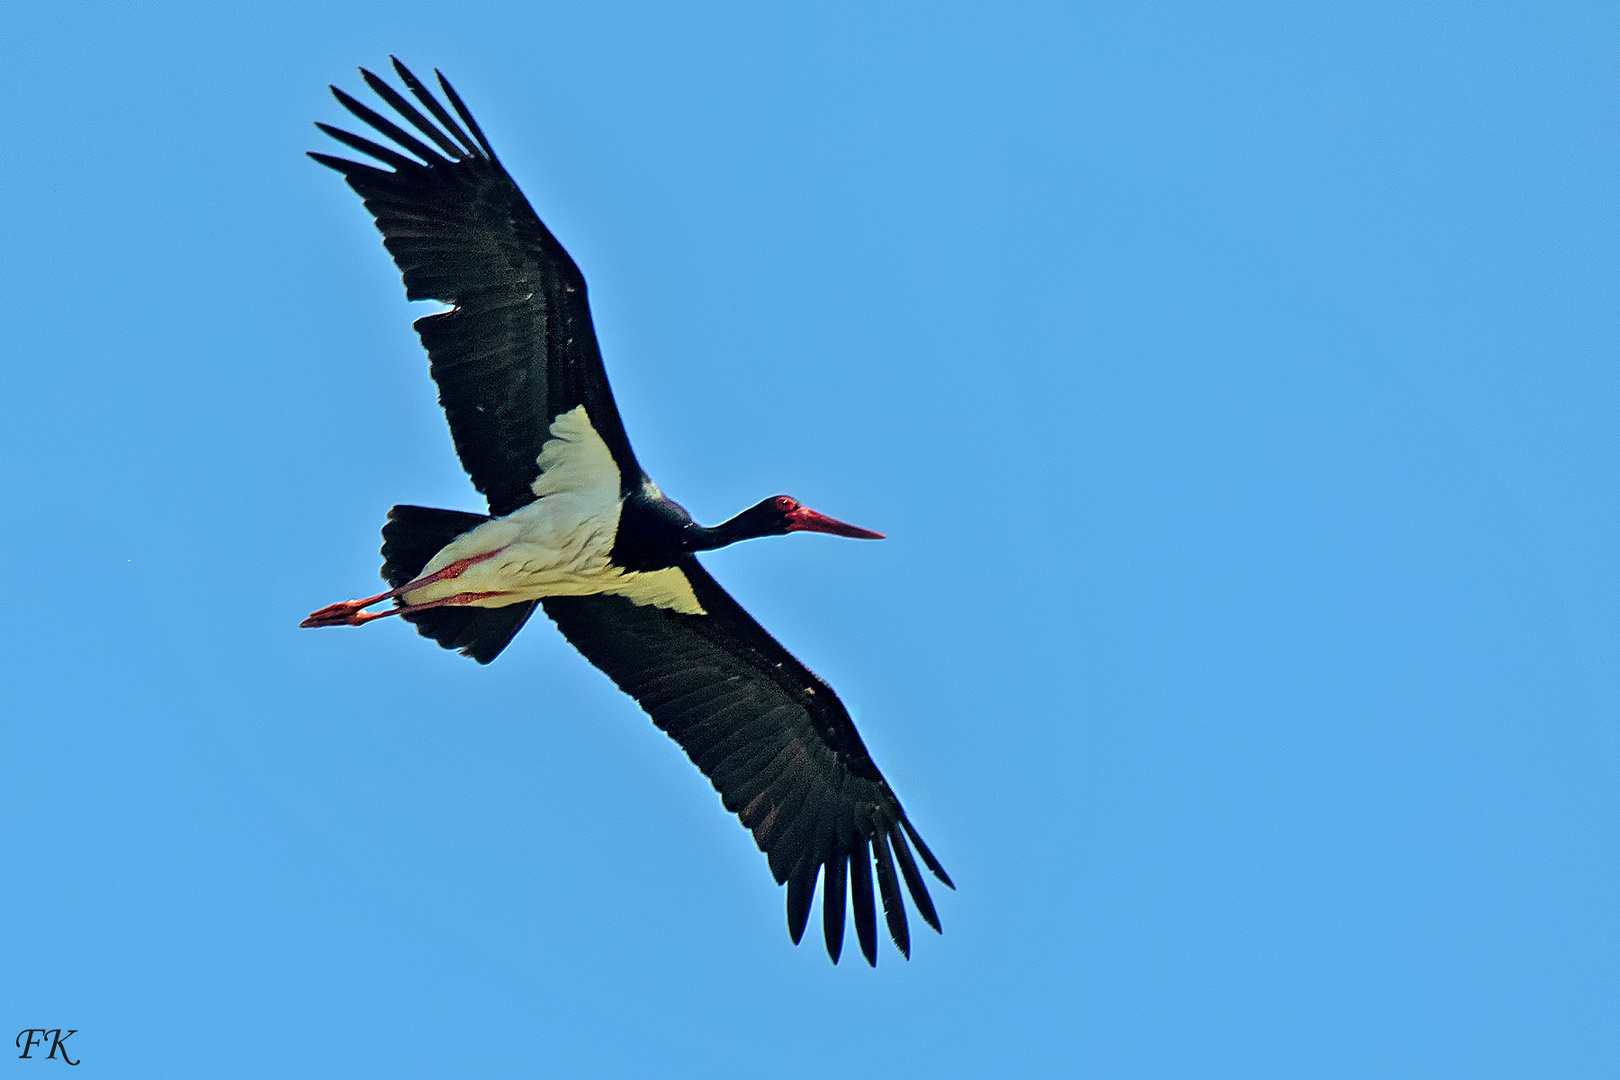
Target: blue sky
<point>1236,384</point>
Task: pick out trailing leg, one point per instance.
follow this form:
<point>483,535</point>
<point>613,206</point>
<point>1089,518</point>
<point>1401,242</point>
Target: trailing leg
<point>351,613</point>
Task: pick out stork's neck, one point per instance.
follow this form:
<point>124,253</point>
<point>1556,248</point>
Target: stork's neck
<point>756,521</point>
<point>655,532</point>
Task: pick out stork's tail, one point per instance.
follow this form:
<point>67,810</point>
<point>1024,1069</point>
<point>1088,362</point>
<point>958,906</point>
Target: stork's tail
<point>412,536</point>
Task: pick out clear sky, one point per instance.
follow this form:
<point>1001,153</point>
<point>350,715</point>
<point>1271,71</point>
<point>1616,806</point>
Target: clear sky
<point>1237,384</point>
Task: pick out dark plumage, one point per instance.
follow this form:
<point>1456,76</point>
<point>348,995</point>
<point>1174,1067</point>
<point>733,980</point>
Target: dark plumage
<point>512,358</point>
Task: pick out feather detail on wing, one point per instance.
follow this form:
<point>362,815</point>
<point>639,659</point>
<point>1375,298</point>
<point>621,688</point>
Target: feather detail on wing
<point>776,743</point>
<point>517,349</point>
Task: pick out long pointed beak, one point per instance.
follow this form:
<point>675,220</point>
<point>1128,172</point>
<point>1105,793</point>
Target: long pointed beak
<point>805,519</point>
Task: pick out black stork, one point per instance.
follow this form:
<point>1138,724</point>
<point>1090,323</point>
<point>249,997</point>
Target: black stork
<point>576,526</point>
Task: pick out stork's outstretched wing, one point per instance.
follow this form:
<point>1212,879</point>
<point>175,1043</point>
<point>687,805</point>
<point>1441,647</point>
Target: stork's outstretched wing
<point>776,743</point>
<point>517,349</point>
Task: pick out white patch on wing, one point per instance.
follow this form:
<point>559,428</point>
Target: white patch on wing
<point>560,544</point>
<point>660,588</point>
<point>575,460</point>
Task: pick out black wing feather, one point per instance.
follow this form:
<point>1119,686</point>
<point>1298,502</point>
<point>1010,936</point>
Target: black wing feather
<point>398,103</point>
<point>832,907</point>
<point>365,146</point>
<point>914,881</point>
<point>927,856</point>
<point>425,96</point>
<point>388,127</point>
<point>461,111</point>
<point>517,349</point>
<point>774,740</point>
<point>894,909</point>
<point>801,890</point>
<point>860,897</point>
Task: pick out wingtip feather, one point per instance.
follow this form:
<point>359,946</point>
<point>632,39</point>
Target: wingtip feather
<point>343,165</point>
<point>387,127</point>
<point>369,148</point>
<point>894,908</point>
<point>861,899</point>
<point>832,907</point>
<point>425,96</point>
<point>397,102</point>
<point>461,111</point>
<point>914,880</point>
<point>927,856</point>
<point>801,890</point>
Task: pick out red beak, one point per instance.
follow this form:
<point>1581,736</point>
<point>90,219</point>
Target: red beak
<point>805,519</point>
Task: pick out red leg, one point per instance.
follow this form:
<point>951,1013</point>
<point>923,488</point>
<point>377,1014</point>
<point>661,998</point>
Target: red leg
<point>349,613</point>
<point>356,617</point>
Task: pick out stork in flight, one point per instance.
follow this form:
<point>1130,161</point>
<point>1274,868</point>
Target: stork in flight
<point>576,526</point>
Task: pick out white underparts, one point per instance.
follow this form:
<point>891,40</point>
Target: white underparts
<point>558,545</point>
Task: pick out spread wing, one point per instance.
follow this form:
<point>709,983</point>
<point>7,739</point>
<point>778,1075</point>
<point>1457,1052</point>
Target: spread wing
<point>776,743</point>
<point>517,349</point>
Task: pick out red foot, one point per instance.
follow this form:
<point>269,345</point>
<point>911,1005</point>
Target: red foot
<point>348,613</point>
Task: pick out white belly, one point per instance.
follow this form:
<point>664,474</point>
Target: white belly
<point>560,544</point>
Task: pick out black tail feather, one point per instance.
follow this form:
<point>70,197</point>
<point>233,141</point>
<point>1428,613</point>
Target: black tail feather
<point>412,536</point>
